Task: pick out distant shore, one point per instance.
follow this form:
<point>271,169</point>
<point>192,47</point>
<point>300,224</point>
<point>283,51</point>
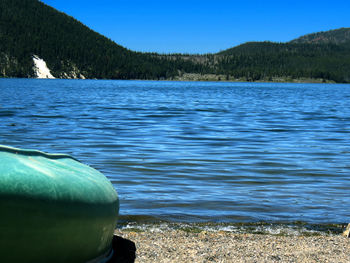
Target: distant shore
<point>215,78</point>
<point>223,246</point>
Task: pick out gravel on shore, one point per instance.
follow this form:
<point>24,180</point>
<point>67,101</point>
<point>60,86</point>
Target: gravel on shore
<point>222,246</point>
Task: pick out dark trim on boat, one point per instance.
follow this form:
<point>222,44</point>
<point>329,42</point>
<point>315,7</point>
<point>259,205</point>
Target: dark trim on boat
<point>28,152</point>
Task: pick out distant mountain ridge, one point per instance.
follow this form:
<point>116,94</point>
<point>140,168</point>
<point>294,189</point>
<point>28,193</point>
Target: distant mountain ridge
<point>38,41</point>
<point>322,56</point>
<point>336,36</point>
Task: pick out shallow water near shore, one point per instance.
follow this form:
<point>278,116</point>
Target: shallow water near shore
<point>196,152</point>
<point>261,228</point>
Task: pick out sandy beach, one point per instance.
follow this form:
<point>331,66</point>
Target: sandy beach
<point>221,246</point>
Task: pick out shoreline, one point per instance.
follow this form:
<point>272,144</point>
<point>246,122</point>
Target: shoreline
<point>216,78</point>
<point>296,228</point>
<point>223,246</point>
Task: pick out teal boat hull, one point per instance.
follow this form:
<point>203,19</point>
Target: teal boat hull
<point>54,209</point>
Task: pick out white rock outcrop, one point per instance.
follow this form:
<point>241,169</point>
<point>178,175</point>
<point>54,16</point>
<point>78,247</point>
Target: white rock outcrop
<point>40,68</point>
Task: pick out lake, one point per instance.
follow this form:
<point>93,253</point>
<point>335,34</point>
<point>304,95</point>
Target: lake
<point>196,151</point>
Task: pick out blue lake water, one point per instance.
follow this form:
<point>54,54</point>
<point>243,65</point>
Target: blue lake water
<point>196,151</point>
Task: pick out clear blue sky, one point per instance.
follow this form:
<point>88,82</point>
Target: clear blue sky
<point>201,26</point>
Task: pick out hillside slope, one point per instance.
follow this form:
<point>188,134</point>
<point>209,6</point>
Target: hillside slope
<point>30,28</point>
<point>38,41</point>
<point>336,36</point>
<point>328,60</point>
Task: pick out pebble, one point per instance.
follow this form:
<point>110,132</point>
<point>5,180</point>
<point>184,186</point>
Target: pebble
<point>220,246</point>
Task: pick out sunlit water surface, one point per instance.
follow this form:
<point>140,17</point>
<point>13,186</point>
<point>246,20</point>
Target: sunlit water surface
<point>196,151</point>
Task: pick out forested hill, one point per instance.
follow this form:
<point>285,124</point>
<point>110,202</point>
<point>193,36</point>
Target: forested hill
<point>268,60</point>
<point>32,32</point>
<point>30,28</point>
<point>322,55</point>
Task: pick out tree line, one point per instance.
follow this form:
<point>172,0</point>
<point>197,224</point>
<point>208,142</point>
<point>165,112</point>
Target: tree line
<point>29,27</point>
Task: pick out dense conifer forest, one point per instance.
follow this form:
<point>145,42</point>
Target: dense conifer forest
<point>265,60</point>
<point>70,49</point>
<point>29,27</point>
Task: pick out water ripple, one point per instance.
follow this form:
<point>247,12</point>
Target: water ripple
<point>188,151</point>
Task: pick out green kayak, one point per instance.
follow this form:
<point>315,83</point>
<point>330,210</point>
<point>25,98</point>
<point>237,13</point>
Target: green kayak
<point>54,209</point>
